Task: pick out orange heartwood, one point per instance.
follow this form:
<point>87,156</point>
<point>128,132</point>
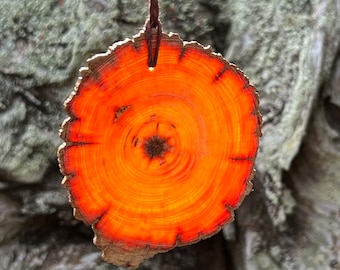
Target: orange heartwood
<point>159,157</point>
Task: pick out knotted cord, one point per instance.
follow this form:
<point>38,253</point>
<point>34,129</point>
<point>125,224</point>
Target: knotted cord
<point>153,27</point>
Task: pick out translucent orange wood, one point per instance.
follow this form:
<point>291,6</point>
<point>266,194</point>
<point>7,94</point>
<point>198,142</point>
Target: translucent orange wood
<point>155,158</point>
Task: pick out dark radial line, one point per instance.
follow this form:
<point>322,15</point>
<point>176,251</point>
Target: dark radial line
<point>220,74</point>
<point>242,158</point>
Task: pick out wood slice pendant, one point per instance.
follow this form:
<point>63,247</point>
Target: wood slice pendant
<point>160,157</point>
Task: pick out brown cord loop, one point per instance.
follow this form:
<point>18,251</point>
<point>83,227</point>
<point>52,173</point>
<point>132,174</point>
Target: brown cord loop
<point>153,22</point>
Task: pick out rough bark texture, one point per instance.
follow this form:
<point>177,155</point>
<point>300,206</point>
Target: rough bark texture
<point>288,49</point>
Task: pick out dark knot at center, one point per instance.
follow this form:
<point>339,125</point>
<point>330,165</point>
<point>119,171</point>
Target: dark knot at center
<point>155,147</point>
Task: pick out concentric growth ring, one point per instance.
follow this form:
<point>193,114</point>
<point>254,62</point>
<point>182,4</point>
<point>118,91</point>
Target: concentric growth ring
<point>160,157</point>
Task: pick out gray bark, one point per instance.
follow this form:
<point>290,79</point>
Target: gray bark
<point>290,52</point>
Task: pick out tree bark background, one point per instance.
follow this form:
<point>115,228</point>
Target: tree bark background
<point>288,49</point>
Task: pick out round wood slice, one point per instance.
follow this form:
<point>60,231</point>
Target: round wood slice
<point>156,158</point>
